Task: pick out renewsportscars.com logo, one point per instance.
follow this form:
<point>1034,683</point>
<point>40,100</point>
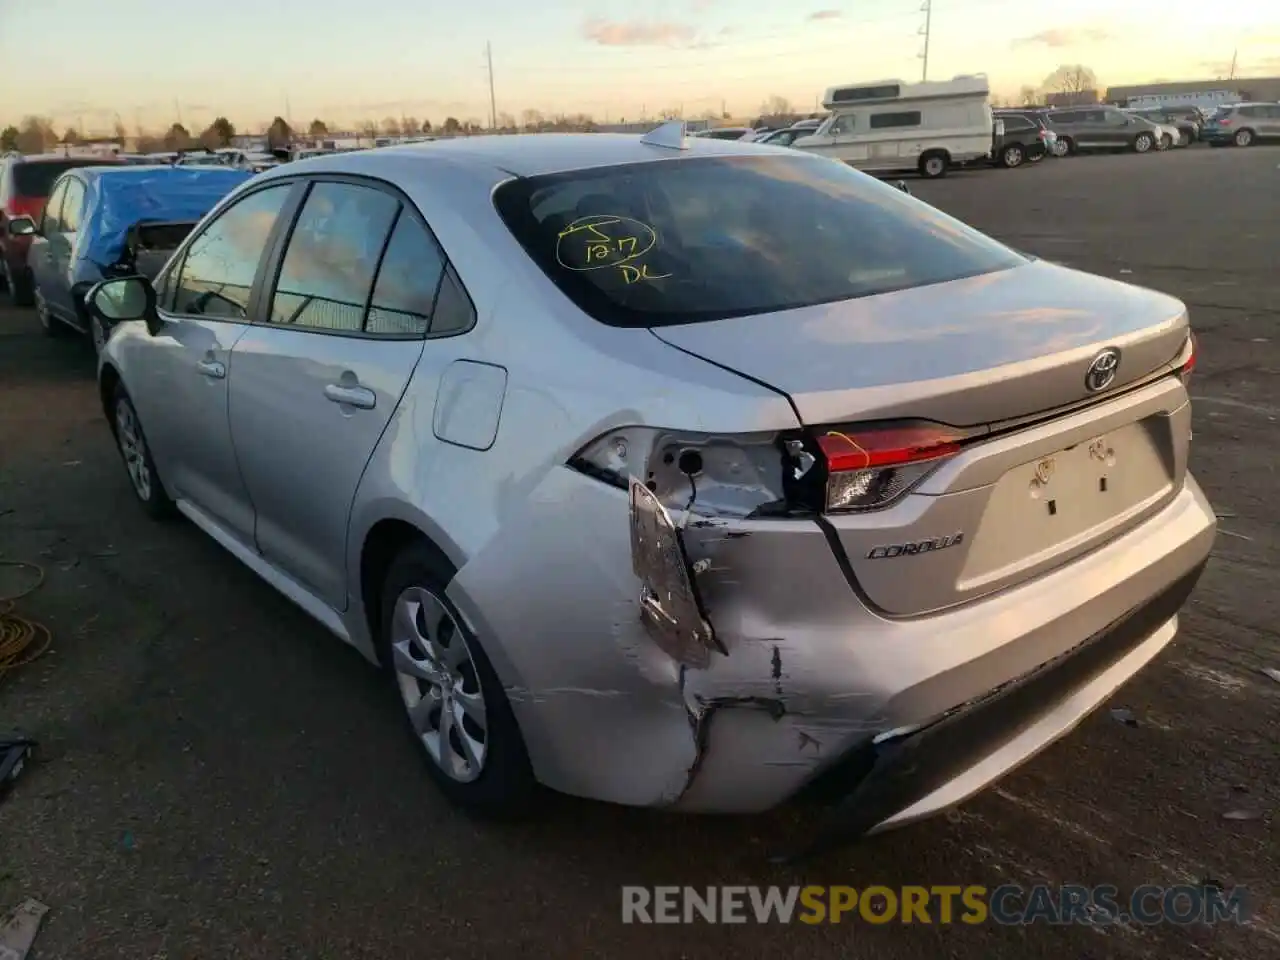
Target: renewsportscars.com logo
<point>1008,905</point>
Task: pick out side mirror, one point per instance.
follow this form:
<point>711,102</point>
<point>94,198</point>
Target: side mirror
<point>22,227</point>
<point>902,185</point>
<point>122,299</point>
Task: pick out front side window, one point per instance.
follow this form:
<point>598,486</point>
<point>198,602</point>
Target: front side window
<point>49,220</point>
<point>72,201</point>
<point>333,251</point>
<point>704,238</point>
<point>908,118</point>
<point>220,264</point>
<point>844,124</point>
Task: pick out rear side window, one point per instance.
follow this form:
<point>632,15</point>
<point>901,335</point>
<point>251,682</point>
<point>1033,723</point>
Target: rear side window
<point>696,239</point>
<point>881,121</point>
<point>333,252</point>
<point>407,280</point>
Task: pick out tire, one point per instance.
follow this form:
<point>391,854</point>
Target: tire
<point>1065,147</point>
<point>18,286</point>
<point>136,454</point>
<point>1143,143</point>
<point>1012,156</point>
<point>1243,138</point>
<point>1166,141</point>
<point>481,764</point>
<point>97,336</point>
<point>52,326</point>
<point>933,165</point>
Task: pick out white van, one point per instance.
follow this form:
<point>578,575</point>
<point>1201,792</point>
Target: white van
<point>888,125</point>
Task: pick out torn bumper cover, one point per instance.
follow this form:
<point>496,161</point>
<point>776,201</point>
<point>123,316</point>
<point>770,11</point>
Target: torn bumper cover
<point>896,780</point>
<point>810,677</point>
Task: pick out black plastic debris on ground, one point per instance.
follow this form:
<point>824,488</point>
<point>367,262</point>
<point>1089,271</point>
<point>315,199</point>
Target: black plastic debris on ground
<point>15,749</point>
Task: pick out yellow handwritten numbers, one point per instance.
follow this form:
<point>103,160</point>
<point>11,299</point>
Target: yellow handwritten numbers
<point>601,241</point>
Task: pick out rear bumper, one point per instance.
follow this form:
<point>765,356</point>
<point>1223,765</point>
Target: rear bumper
<point>904,779</point>
<point>812,677</point>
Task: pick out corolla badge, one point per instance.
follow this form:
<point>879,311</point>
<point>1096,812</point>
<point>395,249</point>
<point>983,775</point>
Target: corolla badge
<point>1102,371</point>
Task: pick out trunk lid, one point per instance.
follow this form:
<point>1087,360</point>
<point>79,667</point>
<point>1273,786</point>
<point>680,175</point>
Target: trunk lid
<point>967,352</point>
<point>992,353</point>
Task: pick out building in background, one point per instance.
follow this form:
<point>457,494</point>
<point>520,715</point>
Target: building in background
<point>1201,93</point>
<point>1071,98</point>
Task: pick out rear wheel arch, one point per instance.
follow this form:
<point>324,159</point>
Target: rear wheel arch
<point>384,541</point>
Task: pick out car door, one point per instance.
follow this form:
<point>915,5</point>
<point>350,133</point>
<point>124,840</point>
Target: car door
<point>1269,122</point>
<point>62,252</point>
<point>314,386</point>
<point>179,382</point>
<point>40,254</point>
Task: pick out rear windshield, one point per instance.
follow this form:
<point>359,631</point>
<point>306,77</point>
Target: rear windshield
<point>1223,112</point>
<point>696,239</point>
<point>33,179</point>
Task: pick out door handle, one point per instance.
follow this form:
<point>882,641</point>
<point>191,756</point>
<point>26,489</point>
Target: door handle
<point>355,396</point>
<point>212,369</point>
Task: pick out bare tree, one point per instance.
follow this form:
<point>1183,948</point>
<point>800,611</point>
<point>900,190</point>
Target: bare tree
<point>1028,95</point>
<point>71,136</point>
<point>1071,78</point>
<point>506,122</point>
<point>318,128</point>
<point>391,127</point>
<point>36,135</point>
<point>368,129</point>
<point>452,126</point>
<point>532,120</point>
<point>177,138</point>
<point>776,106</point>
<point>409,126</point>
<point>120,133</point>
<point>149,144</point>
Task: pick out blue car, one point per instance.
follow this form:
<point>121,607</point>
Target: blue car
<point>102,222</point>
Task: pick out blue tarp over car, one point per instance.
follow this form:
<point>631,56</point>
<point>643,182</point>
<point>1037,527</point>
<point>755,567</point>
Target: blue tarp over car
<point>119,197</point>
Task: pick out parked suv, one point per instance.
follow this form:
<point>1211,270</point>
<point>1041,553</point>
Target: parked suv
<point>1103,128</point>
<point>24,186</point>
<point>1020,137</point>
<point>1242,124</point>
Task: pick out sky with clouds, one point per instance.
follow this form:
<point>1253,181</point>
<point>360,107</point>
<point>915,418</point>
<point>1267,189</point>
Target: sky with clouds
<point>149,61</point>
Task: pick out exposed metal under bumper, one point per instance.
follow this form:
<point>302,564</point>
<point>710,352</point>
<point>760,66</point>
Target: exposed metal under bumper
<point>903,779</point>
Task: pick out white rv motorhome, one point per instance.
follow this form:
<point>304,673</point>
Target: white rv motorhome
<point>888,125</point>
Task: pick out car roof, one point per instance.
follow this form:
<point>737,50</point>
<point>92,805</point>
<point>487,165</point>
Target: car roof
<point>52,157</point>
<point>530,154</point>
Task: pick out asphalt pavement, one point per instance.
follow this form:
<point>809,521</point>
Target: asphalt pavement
<point>218,777</point>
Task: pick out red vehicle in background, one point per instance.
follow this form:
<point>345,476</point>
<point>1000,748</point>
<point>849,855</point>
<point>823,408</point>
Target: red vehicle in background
<point>24,187</point>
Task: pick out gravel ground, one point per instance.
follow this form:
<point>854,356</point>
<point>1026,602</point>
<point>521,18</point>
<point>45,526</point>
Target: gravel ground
<point>218,777</point>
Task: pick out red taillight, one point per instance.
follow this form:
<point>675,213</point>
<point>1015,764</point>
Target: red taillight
<point>1224,122</point>
<point>1189,364</point>
<point>870,468</point>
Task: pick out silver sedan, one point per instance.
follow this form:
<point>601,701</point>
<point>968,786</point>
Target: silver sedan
<point>672,472</point>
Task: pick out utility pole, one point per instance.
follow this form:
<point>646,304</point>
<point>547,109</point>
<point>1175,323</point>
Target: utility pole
<point>493,103</point>
<point>1232,75</point>
<point>927,9</point>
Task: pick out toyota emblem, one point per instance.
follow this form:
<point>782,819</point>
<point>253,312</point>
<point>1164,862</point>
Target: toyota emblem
<point>1103,370</point>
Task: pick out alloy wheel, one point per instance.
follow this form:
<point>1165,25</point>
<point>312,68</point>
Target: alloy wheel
<point>133,448</point>
<point>1244,138</point>
<point>439,685</point>
<point>1013,156</point>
